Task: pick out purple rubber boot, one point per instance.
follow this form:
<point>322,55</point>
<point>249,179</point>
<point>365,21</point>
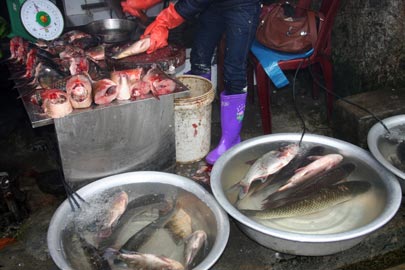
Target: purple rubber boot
<point>204,75</point>
<point>232,112</point>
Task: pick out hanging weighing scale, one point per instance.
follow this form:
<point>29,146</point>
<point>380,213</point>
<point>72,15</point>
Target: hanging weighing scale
<point>35,19</point>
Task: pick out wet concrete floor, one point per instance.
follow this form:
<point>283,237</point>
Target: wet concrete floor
<point>29,155</point>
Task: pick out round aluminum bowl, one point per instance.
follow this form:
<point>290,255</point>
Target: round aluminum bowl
<point>112,30</point>
<point>227,171</point>
<point>374,138</point>
<point>202,208</point>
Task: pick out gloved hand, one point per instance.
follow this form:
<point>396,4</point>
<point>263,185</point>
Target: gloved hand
<point>158,31</point>
<point>136,7</point>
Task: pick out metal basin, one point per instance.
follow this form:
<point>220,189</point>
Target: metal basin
<point>347,228</point>
<point>197,202</point>
<point>380,148</point>
<point>112,30</point>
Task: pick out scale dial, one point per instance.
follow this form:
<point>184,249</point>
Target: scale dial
<point>42,19</point>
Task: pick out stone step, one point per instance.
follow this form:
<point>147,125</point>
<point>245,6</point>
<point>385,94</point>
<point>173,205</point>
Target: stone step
<point>352,124</point>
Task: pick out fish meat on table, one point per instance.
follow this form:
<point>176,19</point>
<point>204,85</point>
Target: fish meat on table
<point>123,87</point>
<point>270,163</point>
<point>118,206</point>
<point>96,53</point>
<point>324,198</point>
<point>159,83</point>
<point>320,164</point>
<point>104,91</point>
<point>55,103</point>
<point>138,47</point>
<point>79,90</point>
<point>324,179</point>
<point>193,245</point>
<point>134,74</point>
<point>136,260</point>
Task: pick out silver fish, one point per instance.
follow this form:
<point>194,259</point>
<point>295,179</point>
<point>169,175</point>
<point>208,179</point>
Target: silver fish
<point>315,202</point>
<point>193,243</point>
<point>321,164</point>
<point>136,260</point>
<point>118,207</point>
<point>268,164</point>
<point>138,47</point>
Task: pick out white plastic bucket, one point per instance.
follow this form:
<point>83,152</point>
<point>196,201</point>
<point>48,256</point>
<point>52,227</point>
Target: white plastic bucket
<point>192,119</point>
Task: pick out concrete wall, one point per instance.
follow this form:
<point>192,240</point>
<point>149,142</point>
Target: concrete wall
<point>369,45</point>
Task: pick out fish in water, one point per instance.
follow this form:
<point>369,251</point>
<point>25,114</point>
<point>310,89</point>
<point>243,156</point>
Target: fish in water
<point>300,160</point>
<point>323,199</point>
<point>141,237</point>
<point>321,164</point>
<point>55,103</point>
<point>118,206</point>
<point>180,225</point>
<point>401,152</point>
<point>138,47</point>
<point>79,90</point>
<point>95,259</point>
<point>193,245</point>
<point>321,180</point>
<point>268,164</point>
<point>136,260</point>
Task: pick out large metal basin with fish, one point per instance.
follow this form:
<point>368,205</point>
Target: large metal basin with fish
<point>190,199</point>
<point>329,231</point>
<point>384,145</point>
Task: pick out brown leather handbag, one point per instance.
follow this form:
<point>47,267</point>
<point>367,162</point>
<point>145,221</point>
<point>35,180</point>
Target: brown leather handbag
<point>287,33</point>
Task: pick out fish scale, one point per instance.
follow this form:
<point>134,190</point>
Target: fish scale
<point>325,198</point>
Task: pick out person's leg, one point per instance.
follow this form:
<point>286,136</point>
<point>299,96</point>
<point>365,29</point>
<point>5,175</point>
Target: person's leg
<point>209,31</point>
<point>241,23</point>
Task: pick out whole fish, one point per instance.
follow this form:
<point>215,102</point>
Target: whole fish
<point>193,243</point>
<point>118,206</point>
<point>321,180</point>
<point>136,260</point>
<point>300,160</point>
<point>141,237</point>
<point>180,225</point>
<point>401,152</point>
<point>138,47</point>
<point>268,164</point>
<point>55,103</point>
<point>105,91</point>
<point>95,259</point>
<point>79,90</point>
<point>326,197</point>
<point>321,164</point>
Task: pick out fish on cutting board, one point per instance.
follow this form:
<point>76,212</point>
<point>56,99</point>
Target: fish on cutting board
<point>138,47</point>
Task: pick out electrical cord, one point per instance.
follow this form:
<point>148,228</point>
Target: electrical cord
<point>301,118</point>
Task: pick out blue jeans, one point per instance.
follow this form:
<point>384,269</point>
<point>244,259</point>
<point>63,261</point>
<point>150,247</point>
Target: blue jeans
<point>239,23</point>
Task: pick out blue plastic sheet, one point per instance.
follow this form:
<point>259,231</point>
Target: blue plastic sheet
<point>269,60</point>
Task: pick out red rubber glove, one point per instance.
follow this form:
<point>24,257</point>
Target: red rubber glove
<point>158,31</point>
<point>137,7</point>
